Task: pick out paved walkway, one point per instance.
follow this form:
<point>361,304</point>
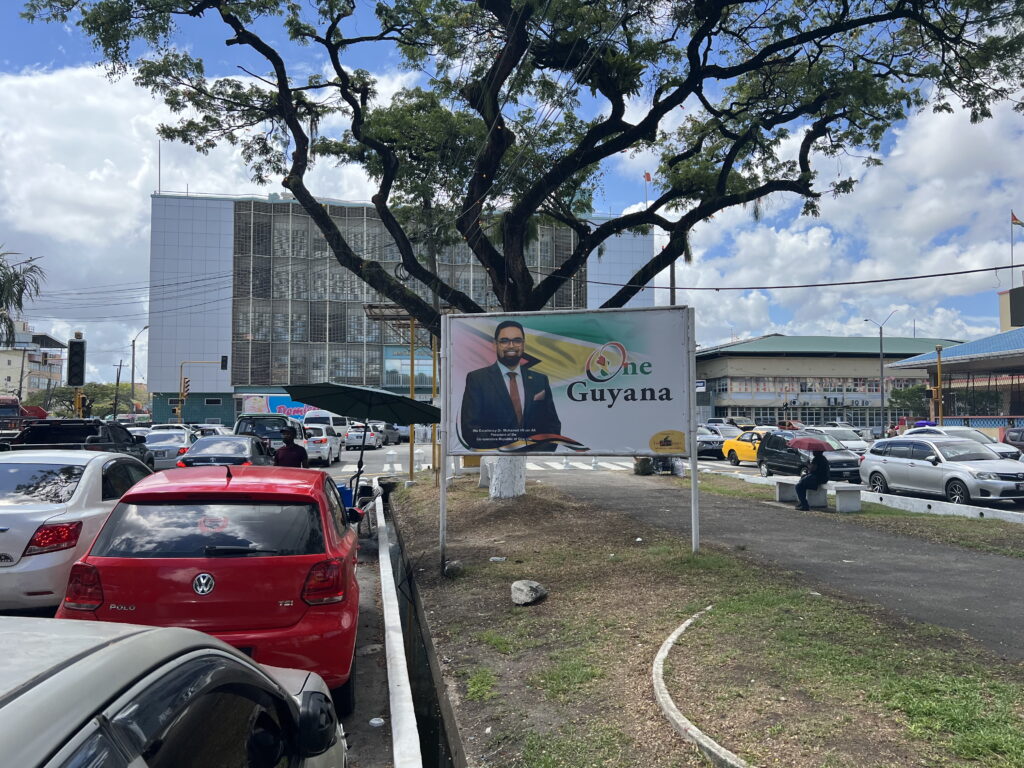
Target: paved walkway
<point>976,593</point>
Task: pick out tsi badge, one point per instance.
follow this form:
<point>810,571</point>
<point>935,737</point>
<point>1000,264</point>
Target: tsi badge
<point>203,584</point>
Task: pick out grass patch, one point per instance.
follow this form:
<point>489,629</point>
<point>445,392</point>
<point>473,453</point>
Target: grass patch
<point>569,674</point>
<point>944,694</point>
<point>480,685</point>
<point>596,746</point>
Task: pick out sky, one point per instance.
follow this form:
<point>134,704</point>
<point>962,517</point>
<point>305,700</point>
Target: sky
<point>79,162</point>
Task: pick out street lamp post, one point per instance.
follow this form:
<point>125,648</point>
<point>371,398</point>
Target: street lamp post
<point>132,389</point>
<point>881,367</point>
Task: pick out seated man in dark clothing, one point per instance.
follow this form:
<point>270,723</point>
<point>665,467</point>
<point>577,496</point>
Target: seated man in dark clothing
<point>290,454</point>
<point>815,478</point>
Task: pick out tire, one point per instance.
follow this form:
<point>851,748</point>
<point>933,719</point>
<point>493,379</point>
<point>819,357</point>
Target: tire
<point>877,484</point>
<point>957,493</point>
<point>345,697</point>
<point>765,472</point>
<point>387,440</point>
<point>734,459</point>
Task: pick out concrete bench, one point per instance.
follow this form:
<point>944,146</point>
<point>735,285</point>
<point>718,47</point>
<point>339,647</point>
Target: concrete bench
<point>847,494</point>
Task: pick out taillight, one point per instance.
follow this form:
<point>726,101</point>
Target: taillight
<point>246,463</point>
<point>325,583</point>
<point>84,593</point>
<point>318,440</point>
<point>183,449</point>
<point>181,463</point>
<point>53,538</point>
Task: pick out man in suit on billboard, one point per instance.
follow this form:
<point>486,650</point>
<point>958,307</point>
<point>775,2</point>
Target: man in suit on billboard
<point>505,402</point>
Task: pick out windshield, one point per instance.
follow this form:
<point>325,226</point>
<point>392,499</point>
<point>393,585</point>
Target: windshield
<point>317,420</point>
<point>968,450</point>
<point>971,434</point>
<point>38,483</point>
<point>165,437</point>
<point>728,430</point>
<point>844,434</point>
<point>268,428</point>
<point>704,431</point>
<point>197,529</point>
<point>315,431</point>
<point>221,446</point>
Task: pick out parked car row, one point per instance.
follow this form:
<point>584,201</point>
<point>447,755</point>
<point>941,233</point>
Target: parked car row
<point>263,558</point>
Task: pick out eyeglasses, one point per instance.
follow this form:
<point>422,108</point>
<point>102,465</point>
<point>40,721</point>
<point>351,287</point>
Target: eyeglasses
<point>507,342</point>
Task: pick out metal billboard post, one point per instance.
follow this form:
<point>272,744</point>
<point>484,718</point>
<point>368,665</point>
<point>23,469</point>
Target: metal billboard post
<point>691,426</point>
<point>443,495</point>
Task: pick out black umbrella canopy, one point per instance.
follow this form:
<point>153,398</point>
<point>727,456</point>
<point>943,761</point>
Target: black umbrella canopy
<point>365,403</point>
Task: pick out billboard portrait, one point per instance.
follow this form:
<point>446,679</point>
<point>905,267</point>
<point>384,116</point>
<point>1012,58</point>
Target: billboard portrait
<point>603,382</point>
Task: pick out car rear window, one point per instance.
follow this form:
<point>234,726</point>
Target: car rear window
<point>42,434</point>
<point>38,483</point>
<point>211,529</point>
<point>266,427</point>
<point>220,446</point>
<point>165,437</point>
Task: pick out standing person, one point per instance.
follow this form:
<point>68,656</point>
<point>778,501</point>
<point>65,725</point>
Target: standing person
<point>290,454</point>
<point>506,401</point>
<point>814,479</point>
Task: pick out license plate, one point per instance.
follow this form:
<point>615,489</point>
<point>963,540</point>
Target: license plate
<point>1020,486</point>
<point>160,454</point>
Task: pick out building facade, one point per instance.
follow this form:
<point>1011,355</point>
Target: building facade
<point>812,379</point>
<point>252,281</point>
<point>33,363</point>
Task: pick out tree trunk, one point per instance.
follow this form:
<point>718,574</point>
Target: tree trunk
<point>508,476</point>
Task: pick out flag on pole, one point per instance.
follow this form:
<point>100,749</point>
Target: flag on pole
<point>1015,220</point>
<point>647,177</point>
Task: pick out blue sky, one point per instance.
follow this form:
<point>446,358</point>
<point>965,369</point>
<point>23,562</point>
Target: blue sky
<point>78,163</point>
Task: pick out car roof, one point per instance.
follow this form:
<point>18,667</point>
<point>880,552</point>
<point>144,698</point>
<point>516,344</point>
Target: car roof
<point>48,663</point>
<point>78,457</point>
<point>212,480</point>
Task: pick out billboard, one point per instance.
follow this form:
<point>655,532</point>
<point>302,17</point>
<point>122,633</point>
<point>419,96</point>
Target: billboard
<point>611,382</point>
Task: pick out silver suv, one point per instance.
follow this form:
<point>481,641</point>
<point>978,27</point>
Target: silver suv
<point>959,470</point>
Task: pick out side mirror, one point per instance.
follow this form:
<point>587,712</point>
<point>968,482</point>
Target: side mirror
<point>354,514</point>
<point>139,439</point>
<point>318,726</point>
<point>933,459</point>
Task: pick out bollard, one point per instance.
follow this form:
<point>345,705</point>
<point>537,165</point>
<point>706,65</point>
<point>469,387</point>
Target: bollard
<point>593,463</point>
<point>565,462</point>
<point>417,459</point>
<point>391,459</point>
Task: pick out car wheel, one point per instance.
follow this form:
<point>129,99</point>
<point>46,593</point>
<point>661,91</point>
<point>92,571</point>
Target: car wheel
<point>957,493</point>
<point>765,472</point>
<point>877,483</point>
<point>734,459</point>
<point>345,696</point>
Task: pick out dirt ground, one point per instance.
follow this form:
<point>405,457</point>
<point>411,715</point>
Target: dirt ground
<point>567,682</point>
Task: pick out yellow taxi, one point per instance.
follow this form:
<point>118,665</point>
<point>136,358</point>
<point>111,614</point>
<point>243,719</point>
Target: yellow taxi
<point>743,447</point>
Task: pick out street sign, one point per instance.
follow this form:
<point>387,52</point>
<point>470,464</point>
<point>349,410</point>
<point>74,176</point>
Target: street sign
<point>702,385</point>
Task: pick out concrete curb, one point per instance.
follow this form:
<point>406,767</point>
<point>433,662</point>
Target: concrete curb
<point>710,748</point>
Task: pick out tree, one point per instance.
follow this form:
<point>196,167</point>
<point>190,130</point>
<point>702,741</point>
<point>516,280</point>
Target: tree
<point>18,281</point>
<point>531,100</point>
<point>99,399</point>
<point>913,399</point>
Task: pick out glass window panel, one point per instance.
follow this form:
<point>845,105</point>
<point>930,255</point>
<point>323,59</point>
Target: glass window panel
<point>280,277</point>
<point>261,234</point>
<point>299,373</point>
<point>241,329</point>
<point>260,319</point>
<point>318,321</point>
<point>279,358</point>
<point>280,330</point>
<point>239,363</point>
<point>281,237</point>
<point>300,321</point>
<point>259,363</point>
<point>242,275</point>
<point>300,278</point>
<point>261,277</point>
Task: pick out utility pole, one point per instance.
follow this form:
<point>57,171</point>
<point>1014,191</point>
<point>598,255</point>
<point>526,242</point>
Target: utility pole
<point>117,387</point>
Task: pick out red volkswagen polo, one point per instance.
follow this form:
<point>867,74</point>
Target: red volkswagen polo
<point>262,557</point>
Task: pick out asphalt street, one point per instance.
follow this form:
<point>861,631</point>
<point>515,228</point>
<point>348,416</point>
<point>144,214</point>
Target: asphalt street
<point>979,594</point>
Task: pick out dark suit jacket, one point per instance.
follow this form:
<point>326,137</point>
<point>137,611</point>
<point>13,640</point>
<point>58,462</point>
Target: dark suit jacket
<point>488,419</point>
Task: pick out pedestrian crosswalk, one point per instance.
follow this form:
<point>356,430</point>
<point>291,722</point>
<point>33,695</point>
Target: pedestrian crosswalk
<point>610,464</point>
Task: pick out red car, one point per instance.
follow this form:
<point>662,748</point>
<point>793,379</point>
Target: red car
<point>263,558</point>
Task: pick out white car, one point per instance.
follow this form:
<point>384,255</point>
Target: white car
<point>83,693</point>
<point>1004,450</point>
<point>851,440</point>
<point>168,444</point>
<point>322,444</point>
<point>357,435</point>
<point>52,505</point>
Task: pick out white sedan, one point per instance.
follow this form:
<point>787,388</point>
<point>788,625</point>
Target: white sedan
<point>357,435</point>
<point>52,505</point>
<point>322,443</point>
<point>88,693</point>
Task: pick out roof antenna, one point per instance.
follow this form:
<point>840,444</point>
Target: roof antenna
<point>228,468</point>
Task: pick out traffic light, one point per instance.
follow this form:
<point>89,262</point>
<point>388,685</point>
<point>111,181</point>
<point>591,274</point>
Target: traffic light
<point>184,386</point>
<point>76,362</point>
<point>223,362</point>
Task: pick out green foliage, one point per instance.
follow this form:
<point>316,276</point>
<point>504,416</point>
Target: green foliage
<point>19,280</point>
<point>525,104</point>
<point>912,399</point>
<point>60,401</point>
<point>480,686</point>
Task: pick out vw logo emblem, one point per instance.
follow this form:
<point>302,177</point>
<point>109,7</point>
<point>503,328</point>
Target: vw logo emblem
<point>203,584</point>
<point>1020,476</point>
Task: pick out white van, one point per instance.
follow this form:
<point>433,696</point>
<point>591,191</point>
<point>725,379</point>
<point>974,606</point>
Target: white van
<point>326,418</point>
<point>268,426</point>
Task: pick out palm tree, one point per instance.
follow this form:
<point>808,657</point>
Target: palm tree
<point>18,281</point>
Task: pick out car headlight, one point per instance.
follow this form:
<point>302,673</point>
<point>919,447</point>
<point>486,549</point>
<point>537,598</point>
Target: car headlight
<point>986,475</point>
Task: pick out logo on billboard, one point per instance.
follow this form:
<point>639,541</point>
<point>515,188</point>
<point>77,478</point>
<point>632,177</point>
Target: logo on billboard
<point>604,364</point>
<point>606,361</point>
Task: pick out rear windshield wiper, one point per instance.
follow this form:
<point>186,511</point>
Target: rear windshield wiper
<point>224,550</point>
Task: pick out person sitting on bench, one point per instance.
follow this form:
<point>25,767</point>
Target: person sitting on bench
<point>816,476</point>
